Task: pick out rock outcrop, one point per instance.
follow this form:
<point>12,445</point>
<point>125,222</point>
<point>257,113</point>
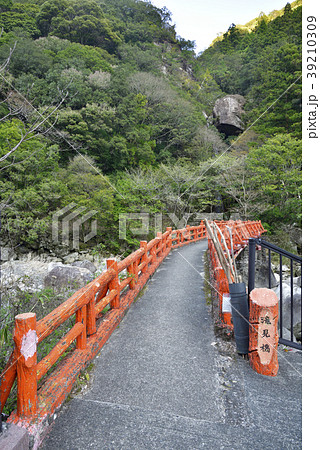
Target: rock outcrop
<point>33,275</point>
<point>288,303</point>
<point>85,264</point>
<point>262,281</point>
<point>227,113</point>
<point>63,276</point>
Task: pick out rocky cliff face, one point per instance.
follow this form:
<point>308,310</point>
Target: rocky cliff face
<point>227,113</point>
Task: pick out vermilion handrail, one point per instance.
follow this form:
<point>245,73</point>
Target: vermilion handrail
<point>117,287</point>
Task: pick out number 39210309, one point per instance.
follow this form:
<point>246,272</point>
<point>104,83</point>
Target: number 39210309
<point>311,45</point>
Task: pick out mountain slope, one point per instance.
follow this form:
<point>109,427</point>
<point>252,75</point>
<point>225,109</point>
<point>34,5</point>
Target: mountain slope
<point>261,65</point>
<point>252,24</point>
<point>134,131</point>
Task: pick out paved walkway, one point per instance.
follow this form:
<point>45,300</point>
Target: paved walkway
<point>162,381</point>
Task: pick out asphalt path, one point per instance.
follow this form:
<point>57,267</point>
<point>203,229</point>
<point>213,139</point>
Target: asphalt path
<point>164,381</point>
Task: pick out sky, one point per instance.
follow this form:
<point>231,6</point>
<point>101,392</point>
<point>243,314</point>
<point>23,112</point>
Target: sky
<point>203,20</point>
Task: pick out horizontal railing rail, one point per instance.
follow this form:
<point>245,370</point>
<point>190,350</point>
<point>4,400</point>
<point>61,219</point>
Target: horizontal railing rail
<point>278,250</point>
<point>116,287</point>
<point>187,235</point>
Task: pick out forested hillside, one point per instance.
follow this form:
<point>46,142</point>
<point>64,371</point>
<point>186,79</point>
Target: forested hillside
<point>261,65</point>
<point>104,106</point>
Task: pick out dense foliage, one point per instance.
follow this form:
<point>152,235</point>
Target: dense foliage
<point>134,131</point>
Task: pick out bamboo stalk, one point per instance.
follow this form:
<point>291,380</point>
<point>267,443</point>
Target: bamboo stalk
<point>227,251</point>
<point>220,254</point>
<point>237,280</point>
<point>227,266</point>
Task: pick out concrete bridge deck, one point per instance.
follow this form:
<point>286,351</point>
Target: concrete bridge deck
<point>163,382</point>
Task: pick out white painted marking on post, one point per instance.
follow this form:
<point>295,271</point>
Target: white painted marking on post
<point>29,344</point>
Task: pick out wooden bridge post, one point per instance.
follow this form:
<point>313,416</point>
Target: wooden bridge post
<point>135,271</point>
<point>25,338</point>
<point>169,238</point>
<point>114,284</point>
<point>132,272</point>
<point>188,233</point>
<point>91,327</point>
<point>144,259</point>
<point>159,235</point>
<point>153,253</point>
<point>263,331</point>
<point>202,229</point>
<point>81,316</point>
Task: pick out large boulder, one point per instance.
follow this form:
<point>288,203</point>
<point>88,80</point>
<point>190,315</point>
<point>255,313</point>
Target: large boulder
<point>286,307</point>
<point>261,270</point>
<point>262,277</point>
<point>67,277</point>
<point>228,111</point>
<point>85,264</point>
<point>32,275</point>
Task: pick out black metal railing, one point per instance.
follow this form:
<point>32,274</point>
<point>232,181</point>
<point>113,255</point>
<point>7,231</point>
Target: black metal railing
<point>294,260</point>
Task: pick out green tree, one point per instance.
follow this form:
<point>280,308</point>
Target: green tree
<point>29,189</point>
<point>5,5</point>
<point>118,138</point>
<point>19,15</point>
<point>87,187</point>
<point>82,22</point>
<point>27,58</point>
<point>275,172</point>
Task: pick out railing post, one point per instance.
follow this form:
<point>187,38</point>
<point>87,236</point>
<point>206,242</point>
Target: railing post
<point>132,272</point>
<point>81,316</point>
<point>25,338</point>
<point>153,253</point>
<point>159,235</point>
<point>91,327</point>
<point>188,233</point>
<point>252,265</point>
<point>114,284</point>
<point>201,227</point>
<point>143,245</point>
<point>169,238</point>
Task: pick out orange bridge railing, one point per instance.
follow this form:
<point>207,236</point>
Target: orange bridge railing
<point>118,286</point>
<point>39,394</point>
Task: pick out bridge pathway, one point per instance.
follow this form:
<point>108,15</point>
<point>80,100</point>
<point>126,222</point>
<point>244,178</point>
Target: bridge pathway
<point>160,382</point>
